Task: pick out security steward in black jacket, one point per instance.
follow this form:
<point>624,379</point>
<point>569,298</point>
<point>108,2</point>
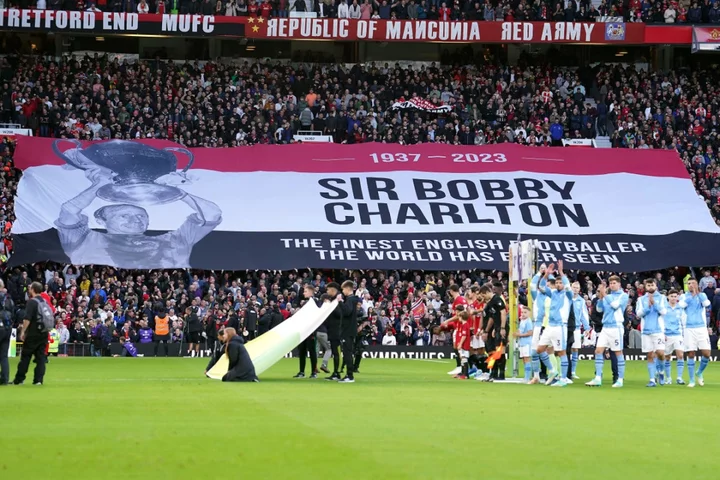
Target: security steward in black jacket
<point>332,324</point>
<point>309,345</point>
<point>348,329</point>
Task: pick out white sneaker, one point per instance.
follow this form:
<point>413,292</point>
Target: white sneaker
<point>551,377</point>
<point>700,380</point>
<point>575,377</point>
<point>455,371</point>
<point>691,385</point>
<point>618,384</point>
<point>568,381</point>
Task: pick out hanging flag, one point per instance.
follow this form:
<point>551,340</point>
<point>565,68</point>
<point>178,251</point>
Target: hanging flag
<point>418,103</point>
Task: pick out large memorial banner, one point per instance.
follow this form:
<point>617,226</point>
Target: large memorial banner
<point>155,204</point>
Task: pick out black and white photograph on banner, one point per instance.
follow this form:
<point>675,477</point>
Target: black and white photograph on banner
<point>128,178</point>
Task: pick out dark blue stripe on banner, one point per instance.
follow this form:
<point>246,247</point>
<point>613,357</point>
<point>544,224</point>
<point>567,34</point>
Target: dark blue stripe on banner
<point>463,251</point>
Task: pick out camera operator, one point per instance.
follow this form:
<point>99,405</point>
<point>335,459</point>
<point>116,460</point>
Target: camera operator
<point>363,339</point>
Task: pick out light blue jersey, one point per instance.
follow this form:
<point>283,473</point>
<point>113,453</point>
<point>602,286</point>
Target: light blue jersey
<point>582,316</point>
<point>651,316</point>
<point>525,327</point>
<point>674,321</point>
<point>613,306</point>
<point>538,309</point>
<point>695,306</point>
<point>560,302</point>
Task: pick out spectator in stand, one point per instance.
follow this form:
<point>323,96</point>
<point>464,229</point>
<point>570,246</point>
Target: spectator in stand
<point>343,10</point>
<point>143,7</point>
<point>389,338</point>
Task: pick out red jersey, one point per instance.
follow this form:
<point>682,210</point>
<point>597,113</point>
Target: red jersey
<point>48,300</point>
<point>461,329</point>
<point>460,300</point>
<point>476,320</point>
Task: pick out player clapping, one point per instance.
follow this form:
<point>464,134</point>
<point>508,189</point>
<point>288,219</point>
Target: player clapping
<point>697,334</point>
<point>650,309</point>
<point>674,326</point>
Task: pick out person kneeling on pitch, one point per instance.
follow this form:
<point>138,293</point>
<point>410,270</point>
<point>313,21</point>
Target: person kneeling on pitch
<point>241,368</point>
<point>218,352</point>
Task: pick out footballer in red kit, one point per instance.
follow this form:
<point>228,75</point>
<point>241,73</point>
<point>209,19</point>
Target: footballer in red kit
<point>461,338</point>
<point>457,301</point>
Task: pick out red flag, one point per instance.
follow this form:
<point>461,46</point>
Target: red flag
<point>418,310</point>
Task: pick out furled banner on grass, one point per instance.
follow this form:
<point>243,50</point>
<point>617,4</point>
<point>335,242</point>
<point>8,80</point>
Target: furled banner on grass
<point>154,204</point>
<point>422,105</point>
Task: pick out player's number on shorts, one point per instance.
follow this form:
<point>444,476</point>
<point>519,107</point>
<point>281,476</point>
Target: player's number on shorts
<point>617,343</point>
<point>660,341</point>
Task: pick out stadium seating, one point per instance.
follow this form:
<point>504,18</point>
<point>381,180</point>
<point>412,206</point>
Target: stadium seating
<point>213,105</point>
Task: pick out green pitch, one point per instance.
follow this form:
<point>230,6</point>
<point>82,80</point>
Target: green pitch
<point>150,418</point>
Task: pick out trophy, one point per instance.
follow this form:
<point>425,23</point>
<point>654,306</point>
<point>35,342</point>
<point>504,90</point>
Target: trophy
<point>135,168</point>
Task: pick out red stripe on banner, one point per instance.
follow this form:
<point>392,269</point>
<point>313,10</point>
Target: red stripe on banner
<point>380,157</point>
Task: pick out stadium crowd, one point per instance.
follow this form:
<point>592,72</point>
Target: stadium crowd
<point>216,105</point>
<point>649,11</point>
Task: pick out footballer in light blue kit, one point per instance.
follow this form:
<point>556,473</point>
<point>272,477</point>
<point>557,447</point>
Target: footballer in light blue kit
<point>674,331</point>
<point>582,319</point>
<point>524,335</point>
<point>697,336</point>
<point>612,305</point>
<point>650,309</point>
<point>555,334</point>
<point>538,316</point>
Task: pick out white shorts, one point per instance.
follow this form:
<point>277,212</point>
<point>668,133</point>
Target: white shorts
<point>612,338</point>
<point>654,342</point>
<point>554,337</point>
<point>524,351</point>
<point>463,353</point>
<point>476,343</point>
<point>673,343</point>
<point>577,340</point>
<point>697,339</point>
<point>535,338</point>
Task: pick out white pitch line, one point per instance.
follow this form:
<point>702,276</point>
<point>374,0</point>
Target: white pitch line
<point>433,361</point>
<point>544,159</point>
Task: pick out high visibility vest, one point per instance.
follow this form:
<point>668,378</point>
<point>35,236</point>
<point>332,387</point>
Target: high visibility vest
<point>54,341</point>
<point>162,326</point>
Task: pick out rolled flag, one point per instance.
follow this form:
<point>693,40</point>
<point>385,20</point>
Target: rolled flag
<point>421,104</point>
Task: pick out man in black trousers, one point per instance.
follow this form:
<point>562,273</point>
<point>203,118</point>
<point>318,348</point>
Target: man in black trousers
<point>348,330</point>
<point>332,323</point>
<point>34,338</point>
<point>308,345</point>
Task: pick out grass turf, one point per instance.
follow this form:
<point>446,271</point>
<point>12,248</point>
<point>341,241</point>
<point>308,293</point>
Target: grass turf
<point>403,419</point>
